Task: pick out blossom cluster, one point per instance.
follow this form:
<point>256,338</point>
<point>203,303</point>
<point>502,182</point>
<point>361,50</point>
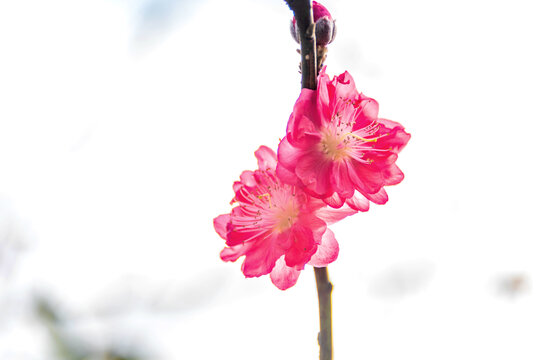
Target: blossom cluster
<point>336,157</point>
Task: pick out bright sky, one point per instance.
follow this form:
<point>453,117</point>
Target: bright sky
<point>120,141</point>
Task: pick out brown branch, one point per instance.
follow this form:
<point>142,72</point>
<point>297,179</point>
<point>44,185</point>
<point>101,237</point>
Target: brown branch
<point>325,337</point>
<point>303,12</point>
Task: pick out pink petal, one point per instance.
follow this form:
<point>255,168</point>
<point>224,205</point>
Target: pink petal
<point>345,88</point>
<point>379,198</point>
<point>358,202</point>
<point>267,160</point>
<point>335,200</point>
<point>367,111</point>
<point>286,176</point>
<point>317,225</point>
<point>382,171</point>
<point>394,137</point>
<point>393,175</point>
<point>325,93</point>
<point>327,251</point>
<point>287,156</point>
<point>314,171</point>
<point>374,193</point>
<point>331,216</point>
<point>234,252</point>
<point>314,204</point>
<point>247,178</point>
<point>284,276</point>
<point>307,233</point>
<point>241,193</point>
<point>237,236</point>
<point>305,117</point>
<point>261,257</point>
<point>365,180</point>
<point>341,181</point>
<point>237,185</point>
<point>303,247</point>
<point>220,224</point>
<point>370,178</point>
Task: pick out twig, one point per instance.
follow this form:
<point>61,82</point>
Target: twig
<point>304,21</point>
<point>324,287</point>
<point>303,13</point>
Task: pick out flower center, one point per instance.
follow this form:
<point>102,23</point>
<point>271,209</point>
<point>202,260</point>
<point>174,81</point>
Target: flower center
<point>286,217</point>
<point>333,146</point>
<point>339,141</point>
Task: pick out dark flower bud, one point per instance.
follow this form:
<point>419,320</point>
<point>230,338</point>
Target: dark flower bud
<point>325,29</point>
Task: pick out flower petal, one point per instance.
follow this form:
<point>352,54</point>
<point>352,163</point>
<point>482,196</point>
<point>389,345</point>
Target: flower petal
<point>331,216</point>
<point>220,225</point>
<point>358,202</point>
<point>234,252</point>
<point>327,251</point>
<point>284,276</point>
<point>355,171</point>
<point>247,178</point>
<point>345,88</point>
<point>314,172</point>
<point>395,138</point>
<point>325,95</point>
<point>287,176</point>
<point>335,200</point>
<point>302,249</point>
<point>379,198</point>
<point>366,111</point>
<point>341,181</point>
<point>305,117</point>
<point>306,234</point>
<point>262,256</point>
<point>393,175</point>
<point>267,159</point>
<point>287,156</point>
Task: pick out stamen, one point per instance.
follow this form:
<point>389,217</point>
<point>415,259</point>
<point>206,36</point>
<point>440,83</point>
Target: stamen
<point>375,139</point>
<point>266,195</point>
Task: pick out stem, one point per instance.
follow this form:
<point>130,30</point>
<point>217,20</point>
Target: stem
<point>324,287</point>
<point>303,13</point>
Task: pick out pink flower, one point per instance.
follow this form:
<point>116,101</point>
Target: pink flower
<point>277,227</point>
<point>336,147</point>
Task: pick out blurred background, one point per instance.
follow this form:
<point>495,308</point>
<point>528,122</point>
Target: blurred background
<point>123,124</point>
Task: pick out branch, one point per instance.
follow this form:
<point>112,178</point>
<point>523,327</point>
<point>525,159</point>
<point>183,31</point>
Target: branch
<point>303,12</point>
<point>325,337</point>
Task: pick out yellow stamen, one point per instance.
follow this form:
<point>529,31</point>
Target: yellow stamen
<point>266,195</point>
<point>364,139</point>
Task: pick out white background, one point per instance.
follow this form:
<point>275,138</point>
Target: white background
<point>124,123</point>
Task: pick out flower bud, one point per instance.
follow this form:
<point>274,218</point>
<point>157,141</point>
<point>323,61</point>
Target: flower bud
<point>325,29</point>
